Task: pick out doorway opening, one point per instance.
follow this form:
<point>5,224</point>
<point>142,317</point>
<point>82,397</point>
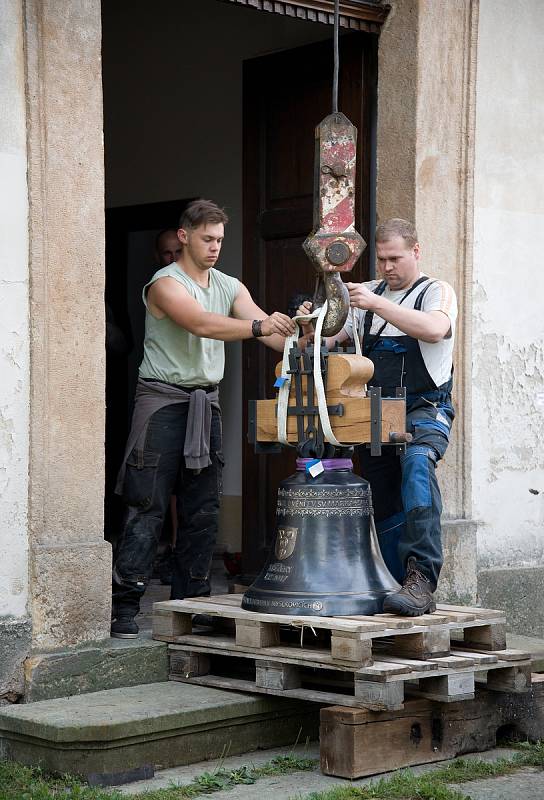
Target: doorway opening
<point>217,100</point>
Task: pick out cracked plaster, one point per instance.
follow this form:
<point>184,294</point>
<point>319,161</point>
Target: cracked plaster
<point>507,329</point>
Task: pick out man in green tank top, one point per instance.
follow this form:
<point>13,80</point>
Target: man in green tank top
<point>174,446</point>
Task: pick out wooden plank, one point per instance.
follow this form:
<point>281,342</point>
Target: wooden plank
<point>510,655</point>
<point>386,669</point>
<point>391,622</point>
<point>241,685</point>
<point>415,665</point>
<point>477,658</point>
<point>352,740</point>
<point>481,613</point>
<point>453,661</point>
<point>458,616</point>
<point>222,610</point>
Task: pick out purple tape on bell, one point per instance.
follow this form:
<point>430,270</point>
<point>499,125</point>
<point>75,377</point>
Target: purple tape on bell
<point>329,464</point>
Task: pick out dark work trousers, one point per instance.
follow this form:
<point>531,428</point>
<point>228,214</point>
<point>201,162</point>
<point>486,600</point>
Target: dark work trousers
<point>153,475</point>
<point>405,492</point>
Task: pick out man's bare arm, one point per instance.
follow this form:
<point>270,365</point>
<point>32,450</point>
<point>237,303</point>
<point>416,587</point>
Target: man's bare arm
<point>245,308</point>
<point>166,297</point>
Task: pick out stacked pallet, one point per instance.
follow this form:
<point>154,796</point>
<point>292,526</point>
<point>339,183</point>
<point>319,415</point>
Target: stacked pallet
<point>364,662</point>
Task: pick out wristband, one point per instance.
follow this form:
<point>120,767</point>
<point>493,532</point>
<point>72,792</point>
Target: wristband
<point>256,328</point>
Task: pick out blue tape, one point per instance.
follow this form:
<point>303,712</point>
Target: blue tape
<point>280,382</point>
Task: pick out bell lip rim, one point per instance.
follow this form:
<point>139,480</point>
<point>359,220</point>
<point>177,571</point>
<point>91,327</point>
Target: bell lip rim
<point>317,595</point>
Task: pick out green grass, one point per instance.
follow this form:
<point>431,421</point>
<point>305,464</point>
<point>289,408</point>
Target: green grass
<point>23,783</point>
<point>405,785</point>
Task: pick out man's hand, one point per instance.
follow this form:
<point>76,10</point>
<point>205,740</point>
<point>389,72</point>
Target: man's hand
<point>278,323</point>
<point>306,327</point>
<point>361,297</point>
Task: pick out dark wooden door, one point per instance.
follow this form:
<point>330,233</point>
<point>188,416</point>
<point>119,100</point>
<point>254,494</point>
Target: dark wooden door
<point>285,96</point>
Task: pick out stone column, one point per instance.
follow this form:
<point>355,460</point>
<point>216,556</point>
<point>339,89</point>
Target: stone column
<point>69,560</point>
<point>426,115</point>
<point>14,357</point>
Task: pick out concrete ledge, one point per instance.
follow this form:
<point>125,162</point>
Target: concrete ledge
<point>109,664</point>
<point>15,642</point>
<point>517,590</point>
<point>160,724</point>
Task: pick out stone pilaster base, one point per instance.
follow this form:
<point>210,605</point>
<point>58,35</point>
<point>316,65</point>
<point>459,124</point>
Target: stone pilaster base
<point>459,578</point>
<point>15,639</point>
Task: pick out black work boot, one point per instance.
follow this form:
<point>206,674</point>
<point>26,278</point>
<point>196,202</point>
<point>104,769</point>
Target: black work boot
<point>415,597</point>
<point>124,627</point>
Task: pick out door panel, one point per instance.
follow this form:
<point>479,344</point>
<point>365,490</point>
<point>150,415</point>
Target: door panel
<point>285,96</point>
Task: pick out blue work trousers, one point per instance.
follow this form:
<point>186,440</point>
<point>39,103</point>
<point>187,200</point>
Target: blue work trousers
<point>152,476</point>
<point>405,492</point>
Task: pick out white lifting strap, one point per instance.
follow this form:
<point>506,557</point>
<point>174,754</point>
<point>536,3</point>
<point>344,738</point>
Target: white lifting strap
<point>356,340</point>
<point>283,394</point>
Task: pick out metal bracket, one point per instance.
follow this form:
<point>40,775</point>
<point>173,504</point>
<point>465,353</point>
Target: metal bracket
<point>400,394</point>
<point>375,420</point>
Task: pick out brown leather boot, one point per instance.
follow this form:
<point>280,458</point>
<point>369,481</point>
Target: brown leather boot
<point>415,597</point>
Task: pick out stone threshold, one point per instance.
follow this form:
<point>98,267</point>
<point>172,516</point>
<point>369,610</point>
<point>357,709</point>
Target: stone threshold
<point>109,737</point>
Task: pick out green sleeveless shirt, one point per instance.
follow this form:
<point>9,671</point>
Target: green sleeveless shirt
<point>171,353</point>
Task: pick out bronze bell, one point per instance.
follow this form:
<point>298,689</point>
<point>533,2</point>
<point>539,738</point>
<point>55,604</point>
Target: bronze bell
<point>326,560</point>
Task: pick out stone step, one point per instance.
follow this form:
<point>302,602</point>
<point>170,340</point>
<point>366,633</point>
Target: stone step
<point>113,736</point>
<point>108,664</point>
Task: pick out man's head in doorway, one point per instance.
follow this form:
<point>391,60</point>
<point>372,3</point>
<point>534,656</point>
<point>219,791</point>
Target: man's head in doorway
<point>167,247</point>
<point>201,232</point>
<point>397,251</point>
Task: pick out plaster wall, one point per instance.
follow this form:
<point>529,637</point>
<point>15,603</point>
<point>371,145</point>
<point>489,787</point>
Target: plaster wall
<point>508,331</point>
<point>14,332</point>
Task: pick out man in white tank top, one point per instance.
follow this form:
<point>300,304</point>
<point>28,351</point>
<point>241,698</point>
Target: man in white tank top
<point>174,446</point>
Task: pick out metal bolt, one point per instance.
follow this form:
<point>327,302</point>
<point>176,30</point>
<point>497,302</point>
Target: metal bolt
<point>337,253</point>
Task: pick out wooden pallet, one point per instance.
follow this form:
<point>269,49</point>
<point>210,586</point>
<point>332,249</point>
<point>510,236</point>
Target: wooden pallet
<point>379,686</point>
<point>368,662</point>
<point>354,641</point>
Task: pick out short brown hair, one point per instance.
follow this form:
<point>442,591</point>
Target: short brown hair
<point>202,212</point>
<point>397,227</point>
